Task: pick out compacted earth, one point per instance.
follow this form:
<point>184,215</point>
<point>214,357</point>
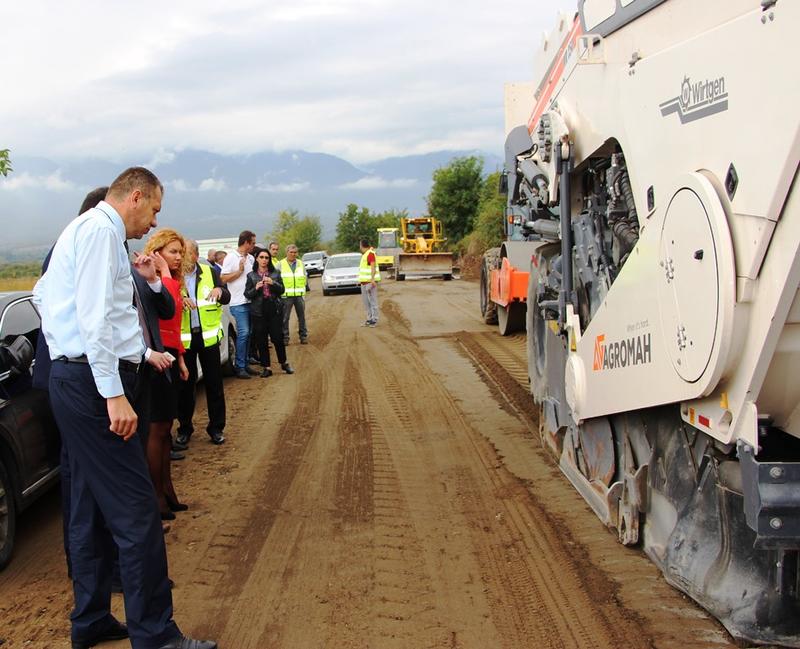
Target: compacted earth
<point>390,494</point>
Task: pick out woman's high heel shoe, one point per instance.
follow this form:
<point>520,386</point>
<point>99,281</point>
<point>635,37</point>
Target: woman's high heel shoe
<point>176,506</point>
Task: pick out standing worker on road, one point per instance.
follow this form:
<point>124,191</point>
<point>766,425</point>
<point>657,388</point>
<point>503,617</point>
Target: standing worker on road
<point>234,273</point>
<point>86,299</point>
<point>201,333</point>
<point>368,277</point>
<point>293,276</point>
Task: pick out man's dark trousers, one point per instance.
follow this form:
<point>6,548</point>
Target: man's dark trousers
<point>212,378</point>
<point>112,503</point>
<point>299,303</point>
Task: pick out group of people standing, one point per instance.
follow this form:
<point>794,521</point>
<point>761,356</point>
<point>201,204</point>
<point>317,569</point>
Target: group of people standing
<point>118,355</point>
<point>263,293</point>
<point>120,345</point>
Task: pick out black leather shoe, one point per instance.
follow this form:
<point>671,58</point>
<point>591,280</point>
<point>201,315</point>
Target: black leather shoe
<point>304,341</point>
<point>167,516</point>
<point>265,373</point>
<point>251,371</point>
<point>116,631</point>
<point>180,446</point>
<point>183,642</point>
<point>241,374</point>
<point>218,438</point>
<point>175,456</point>
<point>287,368</point>
<point>183,440</point>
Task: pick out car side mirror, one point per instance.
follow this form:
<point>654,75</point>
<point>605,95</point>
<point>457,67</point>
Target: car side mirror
<point>17,356</point>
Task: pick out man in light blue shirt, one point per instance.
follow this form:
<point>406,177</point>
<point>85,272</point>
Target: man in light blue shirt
<point>86,300</point>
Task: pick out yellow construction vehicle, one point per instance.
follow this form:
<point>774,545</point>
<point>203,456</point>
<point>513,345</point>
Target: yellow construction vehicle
<point>388,247</point>
<point>422,240</point>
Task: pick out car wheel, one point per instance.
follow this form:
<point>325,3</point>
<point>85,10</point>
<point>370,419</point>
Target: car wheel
<point>325,291</point>
<point>8,523</point>
<point>227,368</point>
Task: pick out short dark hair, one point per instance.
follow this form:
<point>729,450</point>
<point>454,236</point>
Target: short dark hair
<point>132,179</point>
<point>92,199</point>
<point>245,236</point>
<point>364,243</point>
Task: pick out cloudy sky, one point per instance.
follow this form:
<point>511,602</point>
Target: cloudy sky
<point>360,79</point>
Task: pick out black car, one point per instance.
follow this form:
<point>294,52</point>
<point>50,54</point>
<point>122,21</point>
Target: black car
<point>30,445</point>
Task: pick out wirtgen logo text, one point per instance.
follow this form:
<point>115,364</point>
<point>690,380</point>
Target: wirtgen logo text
<point>636,350</point>
<point>697,99</point>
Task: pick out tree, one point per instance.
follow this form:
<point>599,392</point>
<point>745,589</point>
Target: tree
<point>489,222</point>
<point>455,195</point>
<point>5,162</point>
<point>305,232</point>
<point>357,223</point>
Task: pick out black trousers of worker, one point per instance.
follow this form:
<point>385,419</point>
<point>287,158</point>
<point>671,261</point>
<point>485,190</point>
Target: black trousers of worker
<point>212,377</point>
<point>299,304</point>
<point>268,325</point>
<point>112,503</point>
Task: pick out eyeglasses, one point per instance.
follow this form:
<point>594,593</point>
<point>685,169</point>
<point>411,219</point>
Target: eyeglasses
<point>263,257</point>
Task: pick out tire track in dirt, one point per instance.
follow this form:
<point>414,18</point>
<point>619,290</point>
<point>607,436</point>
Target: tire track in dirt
<point>404,594</point>
<point>354,477</point>
<point>535,587</point>
<point>240,538</point>
<point>628,584</point>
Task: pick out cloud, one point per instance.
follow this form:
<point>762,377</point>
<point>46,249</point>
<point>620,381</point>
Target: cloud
<point>179,185</point>
<point>24,181</point>
<point>284,188</point>
<point>161,157</point>
<point>213,185</point>
<point>361,79</point>
<point>376,182</point>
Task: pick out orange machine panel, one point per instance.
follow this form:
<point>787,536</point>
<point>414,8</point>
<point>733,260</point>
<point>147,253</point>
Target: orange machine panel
<point>509,284</point>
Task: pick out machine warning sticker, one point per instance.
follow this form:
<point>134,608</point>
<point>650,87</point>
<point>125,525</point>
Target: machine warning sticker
<point>697,100</point>
<point>636,350</point>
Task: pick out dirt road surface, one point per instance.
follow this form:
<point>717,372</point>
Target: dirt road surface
<point>391,494</point>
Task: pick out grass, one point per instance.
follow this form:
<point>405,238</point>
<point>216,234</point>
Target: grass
<point>18,283</point>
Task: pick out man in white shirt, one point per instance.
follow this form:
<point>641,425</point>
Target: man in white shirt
<point>86,300</point>
<point>237,264</point>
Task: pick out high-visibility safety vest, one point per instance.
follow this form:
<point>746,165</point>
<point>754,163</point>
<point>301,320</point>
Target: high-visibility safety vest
<point>210,312</point>
<point>294,283</point>
<point>365,272</point>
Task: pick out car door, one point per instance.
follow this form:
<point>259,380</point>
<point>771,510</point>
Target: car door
<point>35,432</point>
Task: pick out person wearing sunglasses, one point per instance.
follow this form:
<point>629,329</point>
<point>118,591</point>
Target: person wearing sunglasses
<point>264,288</point>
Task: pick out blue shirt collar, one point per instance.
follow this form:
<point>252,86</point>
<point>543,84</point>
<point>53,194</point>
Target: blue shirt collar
<point>114,217</point>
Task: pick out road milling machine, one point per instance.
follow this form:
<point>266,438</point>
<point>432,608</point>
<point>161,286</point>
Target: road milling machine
<point>422,240</point>
<point>654,203</point>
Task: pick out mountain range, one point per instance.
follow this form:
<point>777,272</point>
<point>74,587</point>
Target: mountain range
<point>209,195</point>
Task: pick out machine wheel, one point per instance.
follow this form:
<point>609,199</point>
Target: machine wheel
<point>8,521</point>
<point>491,260</point>
<point>399,277</point>
<point>511,318</point>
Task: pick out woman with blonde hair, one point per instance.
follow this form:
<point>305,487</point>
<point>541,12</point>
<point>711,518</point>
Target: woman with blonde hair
<point>169,250</point>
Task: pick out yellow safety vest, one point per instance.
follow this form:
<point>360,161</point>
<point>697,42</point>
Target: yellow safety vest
<point>210,312</point>
<point>294,283</point>
<point>365,272</point>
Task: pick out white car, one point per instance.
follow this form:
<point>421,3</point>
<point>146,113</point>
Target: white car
<point>315,262</point>
<point>341,273</point>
